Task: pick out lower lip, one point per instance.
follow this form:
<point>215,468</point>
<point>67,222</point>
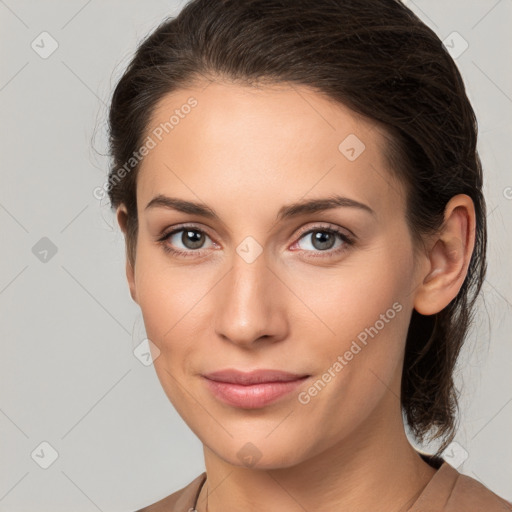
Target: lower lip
<point>253,396</point>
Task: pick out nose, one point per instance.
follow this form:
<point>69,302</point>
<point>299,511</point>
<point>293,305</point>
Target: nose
<point>251,304</point>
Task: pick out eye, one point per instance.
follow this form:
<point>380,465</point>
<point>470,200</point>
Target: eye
<point>323,240</point>
<point>191,239</point>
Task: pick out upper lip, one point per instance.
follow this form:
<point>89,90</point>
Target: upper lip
<point>253,377</point>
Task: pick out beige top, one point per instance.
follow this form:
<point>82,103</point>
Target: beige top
<point>447,491</point>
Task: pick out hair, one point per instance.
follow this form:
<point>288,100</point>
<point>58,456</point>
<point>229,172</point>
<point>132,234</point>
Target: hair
<point>380,60</point>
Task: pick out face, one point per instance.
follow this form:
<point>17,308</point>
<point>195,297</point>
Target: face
<point>325,292</point>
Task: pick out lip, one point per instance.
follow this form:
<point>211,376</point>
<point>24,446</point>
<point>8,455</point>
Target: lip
<point>252,390</point>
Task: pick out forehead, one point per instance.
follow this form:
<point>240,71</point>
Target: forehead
<point>222,136</point>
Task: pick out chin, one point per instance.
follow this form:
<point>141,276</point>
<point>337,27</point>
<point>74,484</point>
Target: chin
<point>264,454</point>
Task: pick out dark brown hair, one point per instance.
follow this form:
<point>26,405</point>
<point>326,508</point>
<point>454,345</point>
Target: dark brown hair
<point>383,62</point>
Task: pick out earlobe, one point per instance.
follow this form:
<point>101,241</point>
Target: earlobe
<point>449,257</point>
<point>122,216</point>
<point>130,276</point>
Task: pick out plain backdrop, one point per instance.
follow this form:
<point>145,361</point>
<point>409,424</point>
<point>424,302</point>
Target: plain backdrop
<point>84,425</point>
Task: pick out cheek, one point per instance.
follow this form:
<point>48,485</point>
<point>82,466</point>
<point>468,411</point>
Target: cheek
<point>358,368</point>
<point>367,309</point>
<point>169,297</point>
<point>350,300</point>
<point>169,310</point>
<point>370,335</point>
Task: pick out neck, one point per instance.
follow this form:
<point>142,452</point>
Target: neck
<point>374,468</point>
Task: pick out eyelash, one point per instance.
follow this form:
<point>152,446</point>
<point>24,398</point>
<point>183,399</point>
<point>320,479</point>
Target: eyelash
<point>348,241</point>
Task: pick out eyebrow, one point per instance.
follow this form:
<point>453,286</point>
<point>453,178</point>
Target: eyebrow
<point>286,212</point>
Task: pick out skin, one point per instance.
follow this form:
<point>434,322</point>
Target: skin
<point>246,152</point>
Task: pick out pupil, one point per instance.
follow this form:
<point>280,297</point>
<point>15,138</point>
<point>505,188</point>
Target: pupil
<point>192,244</point>
<point>320,236</point>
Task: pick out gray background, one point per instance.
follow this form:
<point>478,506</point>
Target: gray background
<point>68,375</point>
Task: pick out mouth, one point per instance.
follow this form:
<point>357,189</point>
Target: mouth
<point>252,390</point>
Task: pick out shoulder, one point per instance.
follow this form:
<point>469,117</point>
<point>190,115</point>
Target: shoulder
<point>451,491</point>
<point>182,500</point>
<point>468,494</point>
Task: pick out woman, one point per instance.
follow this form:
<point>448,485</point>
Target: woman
<point>301,196</point>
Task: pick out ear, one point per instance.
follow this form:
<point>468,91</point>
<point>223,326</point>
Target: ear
<point>448,258</point>
<point>122,217</point>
